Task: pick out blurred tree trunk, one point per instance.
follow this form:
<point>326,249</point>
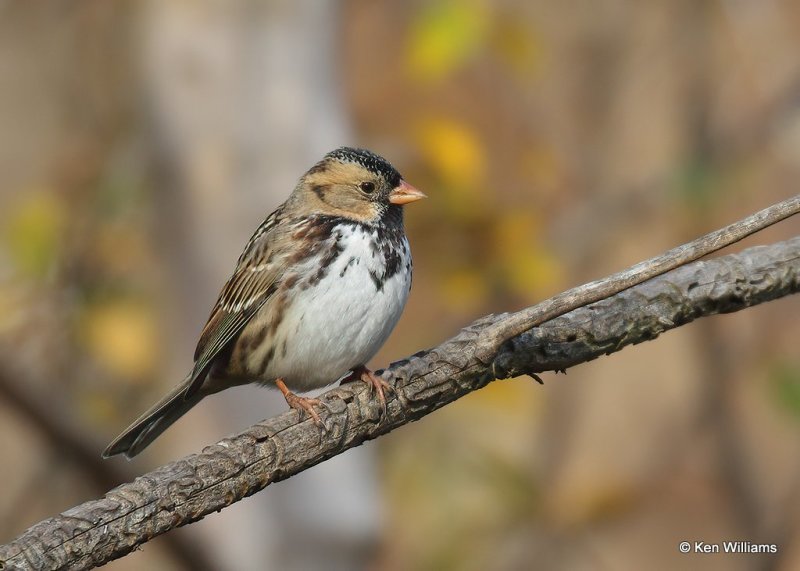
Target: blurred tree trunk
<point>242,98</point>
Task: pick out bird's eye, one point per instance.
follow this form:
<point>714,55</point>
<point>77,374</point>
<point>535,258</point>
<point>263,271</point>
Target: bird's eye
<point>367,187</point>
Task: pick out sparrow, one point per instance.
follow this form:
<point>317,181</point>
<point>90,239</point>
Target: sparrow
<point>316,292</point>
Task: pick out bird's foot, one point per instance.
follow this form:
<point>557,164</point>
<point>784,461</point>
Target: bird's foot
<point>303,405</point>
<point>374,382</point>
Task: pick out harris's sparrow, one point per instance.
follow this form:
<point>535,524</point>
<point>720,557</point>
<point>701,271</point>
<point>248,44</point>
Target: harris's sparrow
<point>316,292</point>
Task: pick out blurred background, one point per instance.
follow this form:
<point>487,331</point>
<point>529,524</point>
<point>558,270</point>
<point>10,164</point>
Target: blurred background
<point>142,142</point>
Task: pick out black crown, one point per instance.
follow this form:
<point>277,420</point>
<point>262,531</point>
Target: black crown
<point>370,161</point>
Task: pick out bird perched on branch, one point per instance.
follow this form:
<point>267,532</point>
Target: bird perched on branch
<point>316,292</point>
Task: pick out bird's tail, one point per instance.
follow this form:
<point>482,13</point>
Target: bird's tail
<point>152,423</point>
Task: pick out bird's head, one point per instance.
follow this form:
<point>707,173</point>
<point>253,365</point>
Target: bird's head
<point>356,184</point>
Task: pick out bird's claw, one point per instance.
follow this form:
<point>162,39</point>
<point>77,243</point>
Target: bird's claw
<point>305,407</point>
<point>376,384</point>
<point>379,386</point>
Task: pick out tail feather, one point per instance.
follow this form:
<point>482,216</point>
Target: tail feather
<point>152,423</point>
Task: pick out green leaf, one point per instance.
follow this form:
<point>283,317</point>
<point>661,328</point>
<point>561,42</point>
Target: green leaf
<point>785,381</point>
<point>33,232</point>
<point>444,35</point>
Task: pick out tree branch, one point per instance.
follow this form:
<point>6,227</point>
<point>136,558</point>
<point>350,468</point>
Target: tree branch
<point>68,440</point>
<point>186,490</point>
<point>499,333</point>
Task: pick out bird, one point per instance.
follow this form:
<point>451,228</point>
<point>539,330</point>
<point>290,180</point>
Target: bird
<point>316,292</point>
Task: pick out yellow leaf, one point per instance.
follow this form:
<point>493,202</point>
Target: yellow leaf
<point>455,152</point>
<point>533,274</point>
<point>529,269</point>
<point>443,36</point>
<point>123,336</point>
<point>33,232</point>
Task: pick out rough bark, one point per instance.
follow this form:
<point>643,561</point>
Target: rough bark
<point>186,490</point>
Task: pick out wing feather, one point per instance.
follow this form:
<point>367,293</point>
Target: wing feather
<point>252,284</point>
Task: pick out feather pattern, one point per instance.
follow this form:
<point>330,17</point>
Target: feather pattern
<point>242,296</point>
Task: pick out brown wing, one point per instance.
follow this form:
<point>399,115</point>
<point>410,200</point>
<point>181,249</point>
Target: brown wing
<point>251,285</point>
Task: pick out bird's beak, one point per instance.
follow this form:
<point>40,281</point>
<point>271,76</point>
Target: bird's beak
<point>405,193</point>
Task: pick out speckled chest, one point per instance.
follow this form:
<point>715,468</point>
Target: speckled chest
<point>334,309</point>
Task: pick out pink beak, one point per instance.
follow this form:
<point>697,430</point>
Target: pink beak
<point>405,193</point>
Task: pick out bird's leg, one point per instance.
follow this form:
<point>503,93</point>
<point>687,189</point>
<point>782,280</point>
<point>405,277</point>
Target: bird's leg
<point>302,405</point>
<point>375,383</point>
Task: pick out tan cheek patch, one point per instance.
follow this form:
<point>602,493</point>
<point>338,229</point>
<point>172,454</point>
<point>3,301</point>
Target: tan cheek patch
<point>333,190</point>
<point>364,210</point>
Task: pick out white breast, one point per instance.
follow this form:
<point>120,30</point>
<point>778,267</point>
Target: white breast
<point>341,321</point>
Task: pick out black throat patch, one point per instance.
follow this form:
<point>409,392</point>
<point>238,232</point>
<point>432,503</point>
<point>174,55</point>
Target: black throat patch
<point>322,237</point>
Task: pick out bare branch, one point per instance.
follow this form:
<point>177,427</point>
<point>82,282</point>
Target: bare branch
<point>186,490</point>
<point>68,440</point>
<point>583,295</point>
